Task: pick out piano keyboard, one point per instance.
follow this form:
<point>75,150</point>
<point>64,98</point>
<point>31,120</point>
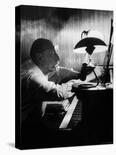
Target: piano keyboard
<point>73,115</point>
<point>76,116</point>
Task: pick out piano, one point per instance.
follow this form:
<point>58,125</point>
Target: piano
<point>87,120</point>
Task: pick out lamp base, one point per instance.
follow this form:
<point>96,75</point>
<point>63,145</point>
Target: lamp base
<point>84,85</point>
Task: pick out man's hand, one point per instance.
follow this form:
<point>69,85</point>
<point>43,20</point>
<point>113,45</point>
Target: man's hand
<point>66,89</point>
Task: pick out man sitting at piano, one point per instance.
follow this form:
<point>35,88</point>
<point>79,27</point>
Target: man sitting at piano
<point>43,80</point>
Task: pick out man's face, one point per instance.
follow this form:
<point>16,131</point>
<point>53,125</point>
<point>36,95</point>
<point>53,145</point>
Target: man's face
<point>50,60</point>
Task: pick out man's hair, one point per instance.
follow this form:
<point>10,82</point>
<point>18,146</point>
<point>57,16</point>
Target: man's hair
<point>39,46</point>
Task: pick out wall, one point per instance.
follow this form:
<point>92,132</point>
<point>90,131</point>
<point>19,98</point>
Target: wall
<point>63,27</point>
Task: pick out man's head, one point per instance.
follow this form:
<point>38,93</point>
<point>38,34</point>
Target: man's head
<point>44,55</point>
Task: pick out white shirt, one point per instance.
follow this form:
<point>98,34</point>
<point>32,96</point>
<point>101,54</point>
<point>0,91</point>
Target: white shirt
<point>34,73</point>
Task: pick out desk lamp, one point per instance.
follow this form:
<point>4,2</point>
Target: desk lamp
<point>90,43</point>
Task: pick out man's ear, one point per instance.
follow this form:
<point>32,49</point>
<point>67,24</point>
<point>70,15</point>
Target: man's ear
<point>38,59</point>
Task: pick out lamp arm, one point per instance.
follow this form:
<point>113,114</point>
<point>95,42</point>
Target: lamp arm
<point>96,77</point>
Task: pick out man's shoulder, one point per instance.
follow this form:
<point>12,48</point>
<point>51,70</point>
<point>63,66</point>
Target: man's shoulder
<point>30,70</point>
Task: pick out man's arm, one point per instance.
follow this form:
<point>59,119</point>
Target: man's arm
<point>49,91</point>
<point>66,75</point>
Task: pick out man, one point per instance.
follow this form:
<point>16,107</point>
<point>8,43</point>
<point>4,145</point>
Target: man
<point>43,80</point>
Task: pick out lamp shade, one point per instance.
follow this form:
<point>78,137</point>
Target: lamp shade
<point>89,42</point>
